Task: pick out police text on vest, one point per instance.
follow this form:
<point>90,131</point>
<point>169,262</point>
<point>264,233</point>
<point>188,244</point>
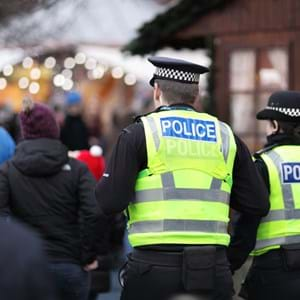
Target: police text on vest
<point>290,172</point>
<point>186,128</point>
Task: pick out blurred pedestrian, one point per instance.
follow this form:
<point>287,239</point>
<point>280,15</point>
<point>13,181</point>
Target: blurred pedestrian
<point>53,194</point>
<point>9,120</point>
<point>275,271</point>
<point>74,132</point>
<point>100,277</point>
<point>177,172</point>
<point>23,266</point>
<point>7,146</point>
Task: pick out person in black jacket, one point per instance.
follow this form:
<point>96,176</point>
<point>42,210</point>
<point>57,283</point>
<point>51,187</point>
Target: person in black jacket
<point>23,267</point>
<point>53,194</point>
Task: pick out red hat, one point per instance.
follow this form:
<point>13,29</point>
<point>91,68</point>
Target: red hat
<point>94,160</point>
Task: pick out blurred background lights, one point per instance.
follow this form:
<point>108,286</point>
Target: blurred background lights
<point>67,73</point>
<point>91,63</point>
<point>34,88</point>
<point>117,72</point>
<point>98,72</point>
<point>130,79</point>
<point>27,62</point>
<point>59,80</point>
<point>35,74</point>
<point>3,83</point>
<point>69,63</point>
<point>68,84</point>
<point>80,58</point>
<point>50,62</point>
<point>8,70</point>
<point>23,83</point>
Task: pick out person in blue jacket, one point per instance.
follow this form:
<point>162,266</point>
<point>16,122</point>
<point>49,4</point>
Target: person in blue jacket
<point>7,146</point>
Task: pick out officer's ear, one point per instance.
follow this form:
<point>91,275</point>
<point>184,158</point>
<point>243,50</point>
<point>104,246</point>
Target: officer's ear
<point>157,95</point>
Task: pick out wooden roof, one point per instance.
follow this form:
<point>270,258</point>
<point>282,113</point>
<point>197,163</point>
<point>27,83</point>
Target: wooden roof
<point>160,32</point>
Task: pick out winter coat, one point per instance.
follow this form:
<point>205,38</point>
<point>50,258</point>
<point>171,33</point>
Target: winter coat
<point>7,145</point>
<point>74,133</point>
<point>23,267</point>
<point>53,194</point>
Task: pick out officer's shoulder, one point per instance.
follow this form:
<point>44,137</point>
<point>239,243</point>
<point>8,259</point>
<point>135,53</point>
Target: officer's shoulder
<point>138,119</point>
<point>264,150</point>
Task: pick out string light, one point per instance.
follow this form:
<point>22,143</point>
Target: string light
<point>68,84</point>
<point>67,73</point>
<point>59,80</point>
<point>27,62</point>
<point>23,83</point>
<point>117,72</point>
<point>35,74</point>
<point>3,83</point>
<point>69,63</point>
<point>50,62</point>
<point>80,58</point>
<point>91,63</point>
<point>130,79</point>
<point>34,88</point>
<point>8,70</point>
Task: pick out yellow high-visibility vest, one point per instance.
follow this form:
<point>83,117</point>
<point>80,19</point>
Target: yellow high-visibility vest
<point>282,225</point>
<point>183,195</point>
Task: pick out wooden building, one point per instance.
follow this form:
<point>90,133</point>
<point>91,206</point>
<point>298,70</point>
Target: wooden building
<point>255,46</point>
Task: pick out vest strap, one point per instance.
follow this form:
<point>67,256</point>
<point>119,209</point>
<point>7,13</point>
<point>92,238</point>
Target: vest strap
<point>178,225</point>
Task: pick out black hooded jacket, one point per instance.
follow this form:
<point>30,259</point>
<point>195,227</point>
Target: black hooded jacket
<point>53,194</point>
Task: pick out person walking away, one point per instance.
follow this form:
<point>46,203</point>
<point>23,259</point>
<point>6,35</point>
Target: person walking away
<point>74,133</point>
<point>177,172</point>
<point>53,194</point>
<point>275,271</point>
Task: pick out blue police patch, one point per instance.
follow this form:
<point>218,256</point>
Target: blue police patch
<point>290,172</point>
<point>191,129</point>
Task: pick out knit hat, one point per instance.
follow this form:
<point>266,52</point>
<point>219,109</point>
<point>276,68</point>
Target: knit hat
<point>37,121</point>
<point>73,98</point>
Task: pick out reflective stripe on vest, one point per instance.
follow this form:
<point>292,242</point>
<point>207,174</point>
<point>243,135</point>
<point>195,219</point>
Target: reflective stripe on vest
<point>284,220</point>
<point>170,207</point>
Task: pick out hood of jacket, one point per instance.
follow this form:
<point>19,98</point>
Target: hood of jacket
<point>40,157</point>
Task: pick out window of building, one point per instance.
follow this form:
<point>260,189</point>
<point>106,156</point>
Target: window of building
<point>254,74</point>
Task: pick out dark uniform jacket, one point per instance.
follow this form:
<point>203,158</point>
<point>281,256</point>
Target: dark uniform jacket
<point>53,194</point>
<point>248,196</point>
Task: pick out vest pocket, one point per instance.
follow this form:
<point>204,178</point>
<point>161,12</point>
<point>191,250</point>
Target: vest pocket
<point>198,270</point>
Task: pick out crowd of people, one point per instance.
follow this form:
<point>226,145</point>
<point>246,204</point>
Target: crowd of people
<point>195,202</point>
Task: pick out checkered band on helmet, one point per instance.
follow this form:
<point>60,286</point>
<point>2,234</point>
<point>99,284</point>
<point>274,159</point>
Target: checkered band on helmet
<point>292,112</point>
<point>177,75</point>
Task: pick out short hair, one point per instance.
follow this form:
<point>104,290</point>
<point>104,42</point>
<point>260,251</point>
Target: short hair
<point>178,92</point>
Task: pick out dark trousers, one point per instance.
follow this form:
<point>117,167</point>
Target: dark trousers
<point>72,282</point>
<point>154,276</point>
<point>269,279</point>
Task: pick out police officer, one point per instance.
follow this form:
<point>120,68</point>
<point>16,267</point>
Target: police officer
<point>177,172</point>
<point>275,272</point>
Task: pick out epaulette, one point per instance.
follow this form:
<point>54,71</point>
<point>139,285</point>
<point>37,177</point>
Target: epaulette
<point>264,150</point>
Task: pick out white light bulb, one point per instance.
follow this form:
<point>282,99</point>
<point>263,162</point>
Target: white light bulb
<point>8,70</point>
<point>35,74</point>
<point>23,83</point>
<point>34,88</point>
<point>3,83</point>
<point>59,80</point>
<point>117,72</point>
<point>50,62</point>
<point>27,62</point>
<point>130,79</point>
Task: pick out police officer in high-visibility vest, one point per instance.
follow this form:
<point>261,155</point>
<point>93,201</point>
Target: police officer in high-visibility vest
<point>275,272</point>
<point>176,173</point>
